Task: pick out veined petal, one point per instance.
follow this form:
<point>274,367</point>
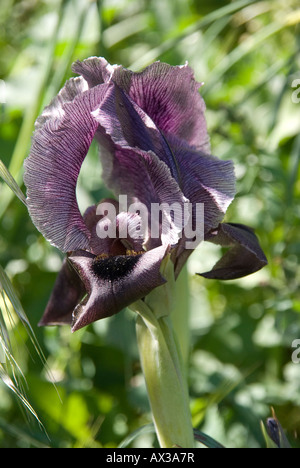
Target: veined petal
<point>60,144</point>
<point>95,70</point>
<point>113,283</point>
<point>67,292</point>
<point>72,88</point>
<point>91,219</point>
<point>129,126</point>
<point>148,182</point>
<point>244,256</point>
<point>168,95</point>
<point>205,179</point>
<point>202,178</point>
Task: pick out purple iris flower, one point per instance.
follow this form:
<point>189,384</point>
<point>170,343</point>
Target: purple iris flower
<point>154,148</point>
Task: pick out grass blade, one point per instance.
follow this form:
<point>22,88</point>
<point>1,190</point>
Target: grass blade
<point>148,429</point>
<point>7,288</point>
<point>169,44</point>
<point>23,141</point>
<point>20,434</point>
<point>10,181</point>
<point>241,52</point>
<point>294,169</point>
<point>10,384</point>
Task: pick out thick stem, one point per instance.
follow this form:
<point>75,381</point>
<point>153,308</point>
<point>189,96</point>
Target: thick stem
<point>163,369</point>
<point>180,314</point>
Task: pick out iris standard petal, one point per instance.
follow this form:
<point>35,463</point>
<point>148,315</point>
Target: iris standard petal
<point>98,246</point>
<point>150,183</point>
<point>202,178</point>
<point>244,256</point>
<point>113,283</point>
<point>60,144</point>
<point>168,95</point>
<point>95,70</point>
<point>128,223</point>
<point>129,126</point>
<point>138,162</point>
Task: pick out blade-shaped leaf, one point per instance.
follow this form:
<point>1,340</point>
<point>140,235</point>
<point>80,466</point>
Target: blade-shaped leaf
<point>10,181</point>
<point>206,440</point>
<point>148,429</point>
<point>10,384</point>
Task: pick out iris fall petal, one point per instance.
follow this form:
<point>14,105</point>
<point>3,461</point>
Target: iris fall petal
<point>113,283</point>
<point>244,256</point>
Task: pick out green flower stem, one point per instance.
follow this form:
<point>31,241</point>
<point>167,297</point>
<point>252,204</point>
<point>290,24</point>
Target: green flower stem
<point>180,314</point>
<point>163,368</point>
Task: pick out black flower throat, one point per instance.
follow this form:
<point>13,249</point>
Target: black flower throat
<point>114,268</point>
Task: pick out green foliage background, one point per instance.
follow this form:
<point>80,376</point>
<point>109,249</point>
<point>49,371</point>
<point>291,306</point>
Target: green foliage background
<point>241,332</point>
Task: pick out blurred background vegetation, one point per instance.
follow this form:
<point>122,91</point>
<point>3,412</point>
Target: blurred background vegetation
<point>86,389</point>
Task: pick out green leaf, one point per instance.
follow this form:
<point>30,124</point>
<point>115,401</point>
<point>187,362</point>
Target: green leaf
<point>206,440</point>
<point>148,429</point>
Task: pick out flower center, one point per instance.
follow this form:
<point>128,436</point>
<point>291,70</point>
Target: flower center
<point>114,268</point>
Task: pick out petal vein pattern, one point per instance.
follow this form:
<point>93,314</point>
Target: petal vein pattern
<point>59,147</point>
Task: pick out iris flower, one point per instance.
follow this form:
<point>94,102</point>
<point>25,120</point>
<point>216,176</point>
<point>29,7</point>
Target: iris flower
<point>154,148</point>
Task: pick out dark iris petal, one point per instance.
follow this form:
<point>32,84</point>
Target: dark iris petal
<point>90,287</point>
<point>168,95</point>
<point>60,144</point>
<point>114,283</point>
<point>67,293</point>
<point>129,127</point>
<point>244,256</point>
